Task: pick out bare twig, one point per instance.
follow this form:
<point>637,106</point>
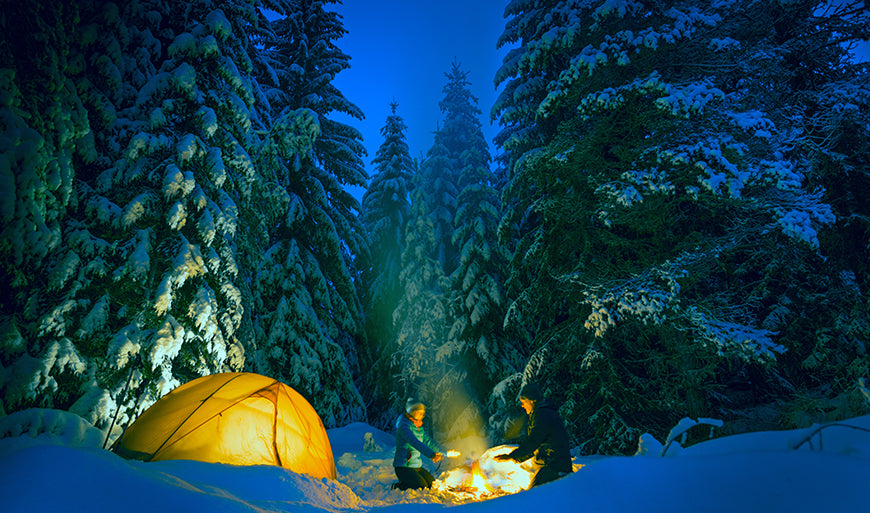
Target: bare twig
<point>818,431</point>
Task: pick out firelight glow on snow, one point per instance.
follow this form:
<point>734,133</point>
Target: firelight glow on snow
<point>52,461</point>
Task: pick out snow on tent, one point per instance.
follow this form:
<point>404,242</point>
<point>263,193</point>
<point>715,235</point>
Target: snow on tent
<point>238,418</point>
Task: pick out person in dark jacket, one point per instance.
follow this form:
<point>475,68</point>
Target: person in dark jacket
<point>411,442</point>
<point>546,438</point>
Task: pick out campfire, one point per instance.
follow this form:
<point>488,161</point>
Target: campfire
<point>484,478</point>
<point>475,482</point>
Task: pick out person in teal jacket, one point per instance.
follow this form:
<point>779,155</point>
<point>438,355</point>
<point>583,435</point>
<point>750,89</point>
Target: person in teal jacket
<point>412,442</point>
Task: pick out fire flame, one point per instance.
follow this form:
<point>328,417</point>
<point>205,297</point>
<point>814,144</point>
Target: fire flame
<point>484,478</point>
<point>479,482</point>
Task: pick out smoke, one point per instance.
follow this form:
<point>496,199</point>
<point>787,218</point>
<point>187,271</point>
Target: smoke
<point>458,422</point>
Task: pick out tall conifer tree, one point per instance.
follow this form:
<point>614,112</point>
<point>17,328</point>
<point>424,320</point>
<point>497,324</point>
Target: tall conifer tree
<point>421,319</point>
<point>164,199</point>
<point>309,317</point>
<point>662,222</point>
<point>385,214</point>
<point>476,342</point>
<point>449,318</point>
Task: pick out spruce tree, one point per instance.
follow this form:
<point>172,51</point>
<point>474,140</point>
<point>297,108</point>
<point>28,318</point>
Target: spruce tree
<point>309,316</point>
<point>450,341</point>
<point>385,214</point>
<point>44,132</point>
<point>663,226</point>
<point>439,179</point>
<point>832,92</point>
<point>421,317</point>
<point>524,81</point>
<point>166,201</point>
<point>476,350</point>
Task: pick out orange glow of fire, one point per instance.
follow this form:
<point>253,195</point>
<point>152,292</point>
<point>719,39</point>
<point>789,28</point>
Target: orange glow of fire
<point>478,481</point>
<point>484,478</point>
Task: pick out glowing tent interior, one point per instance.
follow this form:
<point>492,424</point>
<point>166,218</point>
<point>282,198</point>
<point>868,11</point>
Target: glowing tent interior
<point>238,418</point>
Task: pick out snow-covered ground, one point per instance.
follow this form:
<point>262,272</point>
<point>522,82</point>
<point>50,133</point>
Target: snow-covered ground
<point>51,461</point>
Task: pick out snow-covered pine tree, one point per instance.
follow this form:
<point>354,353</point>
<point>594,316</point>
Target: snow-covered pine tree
<point>421,317</point>
<point>44,132</point>
<point>524,82</point>
<point>476,349</point>
<point>385,214</point>
<point>144,279</point>
<point>439,179</point>
<point>440,172</point>
<point>659,211</point>
<point>833,134</point>
<point>309,316</point>
<point>523,86</point>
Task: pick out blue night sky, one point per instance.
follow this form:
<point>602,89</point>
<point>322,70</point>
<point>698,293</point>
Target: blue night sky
<point>400,49</point>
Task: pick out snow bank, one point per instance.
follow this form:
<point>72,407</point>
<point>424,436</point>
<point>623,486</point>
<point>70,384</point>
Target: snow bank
<point>50,427</point>
<point>51,461</point>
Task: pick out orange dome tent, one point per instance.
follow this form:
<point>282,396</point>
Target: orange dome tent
<point>237,417</point>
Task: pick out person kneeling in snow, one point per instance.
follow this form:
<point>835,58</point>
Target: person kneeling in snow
<point>546,438</point>
<point>411,441</point>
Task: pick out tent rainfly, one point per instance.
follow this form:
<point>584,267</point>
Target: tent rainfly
<point>239,418</point>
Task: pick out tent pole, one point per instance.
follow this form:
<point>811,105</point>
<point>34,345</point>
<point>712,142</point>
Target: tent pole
<point>122,394</point>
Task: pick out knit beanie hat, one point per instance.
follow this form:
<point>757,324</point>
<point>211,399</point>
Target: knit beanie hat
<point>531,392</point>
<point>413,405</point>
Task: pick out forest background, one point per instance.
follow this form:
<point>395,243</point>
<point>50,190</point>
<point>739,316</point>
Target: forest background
<point>675,222</point>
